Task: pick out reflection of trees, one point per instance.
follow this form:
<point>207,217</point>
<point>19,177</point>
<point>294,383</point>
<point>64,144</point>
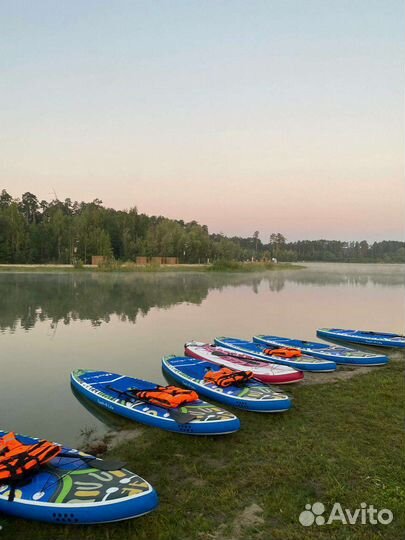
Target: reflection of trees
<point>389,277</point>
<point>277,281</point>
<point>29,298</point>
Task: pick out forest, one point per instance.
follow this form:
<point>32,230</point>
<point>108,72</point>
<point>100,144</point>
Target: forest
<point>70,232</point>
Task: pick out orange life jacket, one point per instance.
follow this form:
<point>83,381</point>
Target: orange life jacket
<point>169,397</point>
<point>284,353</point>
<point>18,460</point>
<point>227,377</point>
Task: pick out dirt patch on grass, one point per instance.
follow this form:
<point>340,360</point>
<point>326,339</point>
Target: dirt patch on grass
<point>99,445</point>
<point>341,374</point>
<point>251,517</point>
<point>215,462</point>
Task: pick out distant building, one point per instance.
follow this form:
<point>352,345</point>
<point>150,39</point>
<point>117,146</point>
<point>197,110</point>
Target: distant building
<point>157,260</point>
<point>96,260</point>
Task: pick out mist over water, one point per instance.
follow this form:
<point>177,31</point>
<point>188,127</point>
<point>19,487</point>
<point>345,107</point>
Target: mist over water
<point>51,323</point>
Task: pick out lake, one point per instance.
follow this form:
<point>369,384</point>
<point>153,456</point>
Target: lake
<point>52,323</point>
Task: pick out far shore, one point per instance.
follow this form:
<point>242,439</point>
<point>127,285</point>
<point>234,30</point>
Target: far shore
<point>217,266</point>
<point>220,266</point>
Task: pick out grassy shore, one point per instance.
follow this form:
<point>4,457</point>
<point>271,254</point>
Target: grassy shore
<point>220,266</point>
<point>342,442</point>
<point>233,266</point>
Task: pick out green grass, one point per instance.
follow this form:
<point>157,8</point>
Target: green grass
<point>234,266</point>
<point>342,442</point>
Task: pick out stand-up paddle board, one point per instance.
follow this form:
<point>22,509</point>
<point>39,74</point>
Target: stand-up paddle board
<point>230,387</point>
<point>377,339</point>
<point>264,371</point>
<point>120,394</point>
<point>340,355</point>
<point>64,486</point>
<point>298,361</point>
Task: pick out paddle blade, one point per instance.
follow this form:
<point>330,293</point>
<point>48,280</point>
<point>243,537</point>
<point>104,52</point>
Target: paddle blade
<point>105,465</point>
<point>180,417</point>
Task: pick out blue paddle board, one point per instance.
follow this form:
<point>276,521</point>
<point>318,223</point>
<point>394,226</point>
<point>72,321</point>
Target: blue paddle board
<point>76,488</point>
<point>109,390</point>
<point>252,395</point>
<point>304,362</point>
<point>377,339</point>
<point>340,355</point>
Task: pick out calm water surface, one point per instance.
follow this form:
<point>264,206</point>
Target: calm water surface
<point>53,323</point>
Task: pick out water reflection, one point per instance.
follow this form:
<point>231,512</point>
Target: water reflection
<point>54,323</point>
<point>358,275</point>
<point>62,298</point>
<point>26,299</point>
<point>110,420</point>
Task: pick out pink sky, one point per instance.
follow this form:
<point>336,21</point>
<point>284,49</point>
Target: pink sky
<point>265,116</point>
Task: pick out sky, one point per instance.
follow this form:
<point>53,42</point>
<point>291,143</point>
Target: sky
<point>274,115</point>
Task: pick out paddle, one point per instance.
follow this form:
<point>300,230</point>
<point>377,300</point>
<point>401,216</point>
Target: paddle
<point>238,356</point>
<point>387,334</point>
<point>95,463</point>
<point>178,416</point>
<point>181,417</point>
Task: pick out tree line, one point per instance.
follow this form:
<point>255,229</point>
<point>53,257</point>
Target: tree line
<point>38,231</point>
